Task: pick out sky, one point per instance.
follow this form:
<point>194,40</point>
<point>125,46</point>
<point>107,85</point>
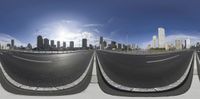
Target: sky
<point>124,21</point>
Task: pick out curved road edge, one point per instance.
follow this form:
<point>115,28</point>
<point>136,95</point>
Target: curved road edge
<point>67,86</point>
<point>156,89</point>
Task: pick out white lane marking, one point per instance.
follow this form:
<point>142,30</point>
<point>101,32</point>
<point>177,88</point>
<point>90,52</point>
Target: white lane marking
<point>198,63</point>
<point>156,89</point>
<point>30,60</point>
<point>94,72</point>
<point>160,60</point>
<point>195,72</point>
<point>56,88</point>
<point>157,55</point>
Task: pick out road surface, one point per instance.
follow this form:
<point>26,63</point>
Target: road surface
<point>148,72</point>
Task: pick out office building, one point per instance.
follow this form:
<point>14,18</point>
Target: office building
<point>124,47</point>
<point>29,46</point>
<point>39,42</point>
<point>84,43</point>
<point>178,44</point>
<point>161,37</point>
<point>46,43</point>
<point>187,43</point>
<point>113,45</point>
<point>104,44</point>
<point>58,44</point>
<point>71,44</point>
<point>12,43</point>
<point>52,44</point>
<point>119,46</point>
<point>64,44</point>
<point>101,43</point>
<point>154,41</point>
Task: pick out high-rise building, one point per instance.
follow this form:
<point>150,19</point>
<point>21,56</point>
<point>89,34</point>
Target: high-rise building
<point>161,37</point>
<point>178,44</point>
<point>119,46</point>
<point>12,43</point>
<point>113,44</point>
<point>84,43</point>
<point>154,41</point>
<point>64,44</point>
<point>101,40</point>
<point>58,44</point>
<point>124,47</point>
<point>39,42</point>
<point>187,43</point>
<point>46,43</point>
<point>133,46</point>
<point>101,43</point>
<point>71,44</point>
<point>29,46</point>
<point>52,44</point>
<point>104,44</point>
<point>167,46</point>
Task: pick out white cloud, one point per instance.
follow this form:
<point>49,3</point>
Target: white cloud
<point>93,25</point>
<point>5,39</point>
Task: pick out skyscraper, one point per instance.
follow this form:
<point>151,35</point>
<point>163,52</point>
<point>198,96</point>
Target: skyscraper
<point>84,43</point>
<point>113,44</point>
<point>154,41</point>
<point>46,43</point>
<point>58,44</point>
<point>12,43</point>
<point>39,42</point>
<point>52,44</point>
<point>178,44</point>
<point>71,44</point>
<point>29,46</point>
<point>187,43</point>
<point>101,43</point>
<point>119,46</point>
<point>161,37</point>
<point>104,44</point>
<point>101,40</point>
<point>64,44</point>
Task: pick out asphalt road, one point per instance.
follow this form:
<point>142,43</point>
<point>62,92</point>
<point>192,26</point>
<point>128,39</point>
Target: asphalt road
<point>144,71</point>
<point>45,70</point>
<point>198,63</point>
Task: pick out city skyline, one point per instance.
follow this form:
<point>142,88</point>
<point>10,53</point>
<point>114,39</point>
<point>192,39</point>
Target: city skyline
<point>127,22</point>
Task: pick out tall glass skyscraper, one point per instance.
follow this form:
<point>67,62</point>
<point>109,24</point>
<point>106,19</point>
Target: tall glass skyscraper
<point>161,37</point>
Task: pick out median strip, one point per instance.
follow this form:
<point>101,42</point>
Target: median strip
<point>30,60</point>
<point>161,60</point>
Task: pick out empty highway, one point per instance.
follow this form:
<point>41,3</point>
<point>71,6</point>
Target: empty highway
<point>46,70</point>
<point>144,73</point>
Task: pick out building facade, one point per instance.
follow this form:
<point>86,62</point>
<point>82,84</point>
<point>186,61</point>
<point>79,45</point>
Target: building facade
<point>71,44</point>
<point>178,44</point>
<point>84,43</point>
<point>154,41</point>
<point>161,37</point>
<point>39,42</point>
